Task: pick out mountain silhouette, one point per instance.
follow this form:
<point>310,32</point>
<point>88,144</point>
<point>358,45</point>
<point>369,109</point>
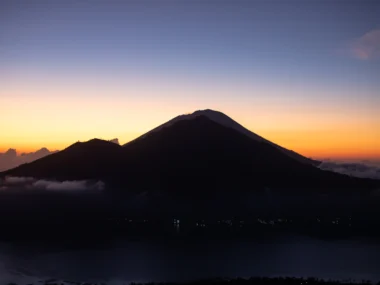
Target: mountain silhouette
<point>204,153</point>
<point>82,160</point>
<point>226,121</point>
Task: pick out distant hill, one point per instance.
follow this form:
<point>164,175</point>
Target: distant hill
<point>205,153</point>
<point>82,160</point>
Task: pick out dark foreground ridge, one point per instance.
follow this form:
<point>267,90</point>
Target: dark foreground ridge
<point>227,281</point>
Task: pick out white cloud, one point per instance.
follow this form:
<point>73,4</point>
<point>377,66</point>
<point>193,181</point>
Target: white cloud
<point>366,47</point>
<point>12,180</point>
<point>61,186</point>
<point>51,185</point>
<point>356,169</point>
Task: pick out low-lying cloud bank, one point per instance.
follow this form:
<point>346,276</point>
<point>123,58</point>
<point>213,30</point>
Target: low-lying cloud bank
<point>10,182</point>
<point>356,169</point>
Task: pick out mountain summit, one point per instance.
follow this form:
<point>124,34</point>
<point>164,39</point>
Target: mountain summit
<point>224,120</point>
<point>205,152</point>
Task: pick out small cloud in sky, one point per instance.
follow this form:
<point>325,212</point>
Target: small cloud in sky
<point>367,46</point>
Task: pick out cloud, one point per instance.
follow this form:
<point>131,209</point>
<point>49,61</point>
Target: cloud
<point>68,185</point>
<point>60,186</point>
<point>356,169</point>
<point>13,180</point>
<point>366,47</point>
<point>116,141</point>
<point>51,185</point>
<point>10,159</point>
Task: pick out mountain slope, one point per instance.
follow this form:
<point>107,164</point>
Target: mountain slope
<point>88,160</point>
<point>226,121</point>
<point>200,154</point>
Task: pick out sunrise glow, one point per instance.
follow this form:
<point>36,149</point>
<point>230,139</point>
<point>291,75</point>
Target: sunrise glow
<point>113,77</point>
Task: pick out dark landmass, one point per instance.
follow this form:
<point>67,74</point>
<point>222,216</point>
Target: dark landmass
<point>228,281</point>
<point>191,158</point>
<point>89,220</point>
<point>196,170</point>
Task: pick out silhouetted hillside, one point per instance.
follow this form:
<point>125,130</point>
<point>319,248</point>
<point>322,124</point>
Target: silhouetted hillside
<point>82,160</point>
<point>200,154</point>
<point>193,156</point>
<point>226,121</point>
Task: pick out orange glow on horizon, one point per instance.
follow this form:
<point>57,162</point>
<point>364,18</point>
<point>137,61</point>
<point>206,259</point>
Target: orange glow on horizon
<point>319,129</point>
<point>317,145</point>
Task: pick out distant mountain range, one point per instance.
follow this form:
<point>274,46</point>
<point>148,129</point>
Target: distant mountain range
<point>203,153</point>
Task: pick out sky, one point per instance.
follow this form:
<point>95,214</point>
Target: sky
<point>303,74</point>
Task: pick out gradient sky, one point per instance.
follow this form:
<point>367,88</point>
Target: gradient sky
<point>304,74</point>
